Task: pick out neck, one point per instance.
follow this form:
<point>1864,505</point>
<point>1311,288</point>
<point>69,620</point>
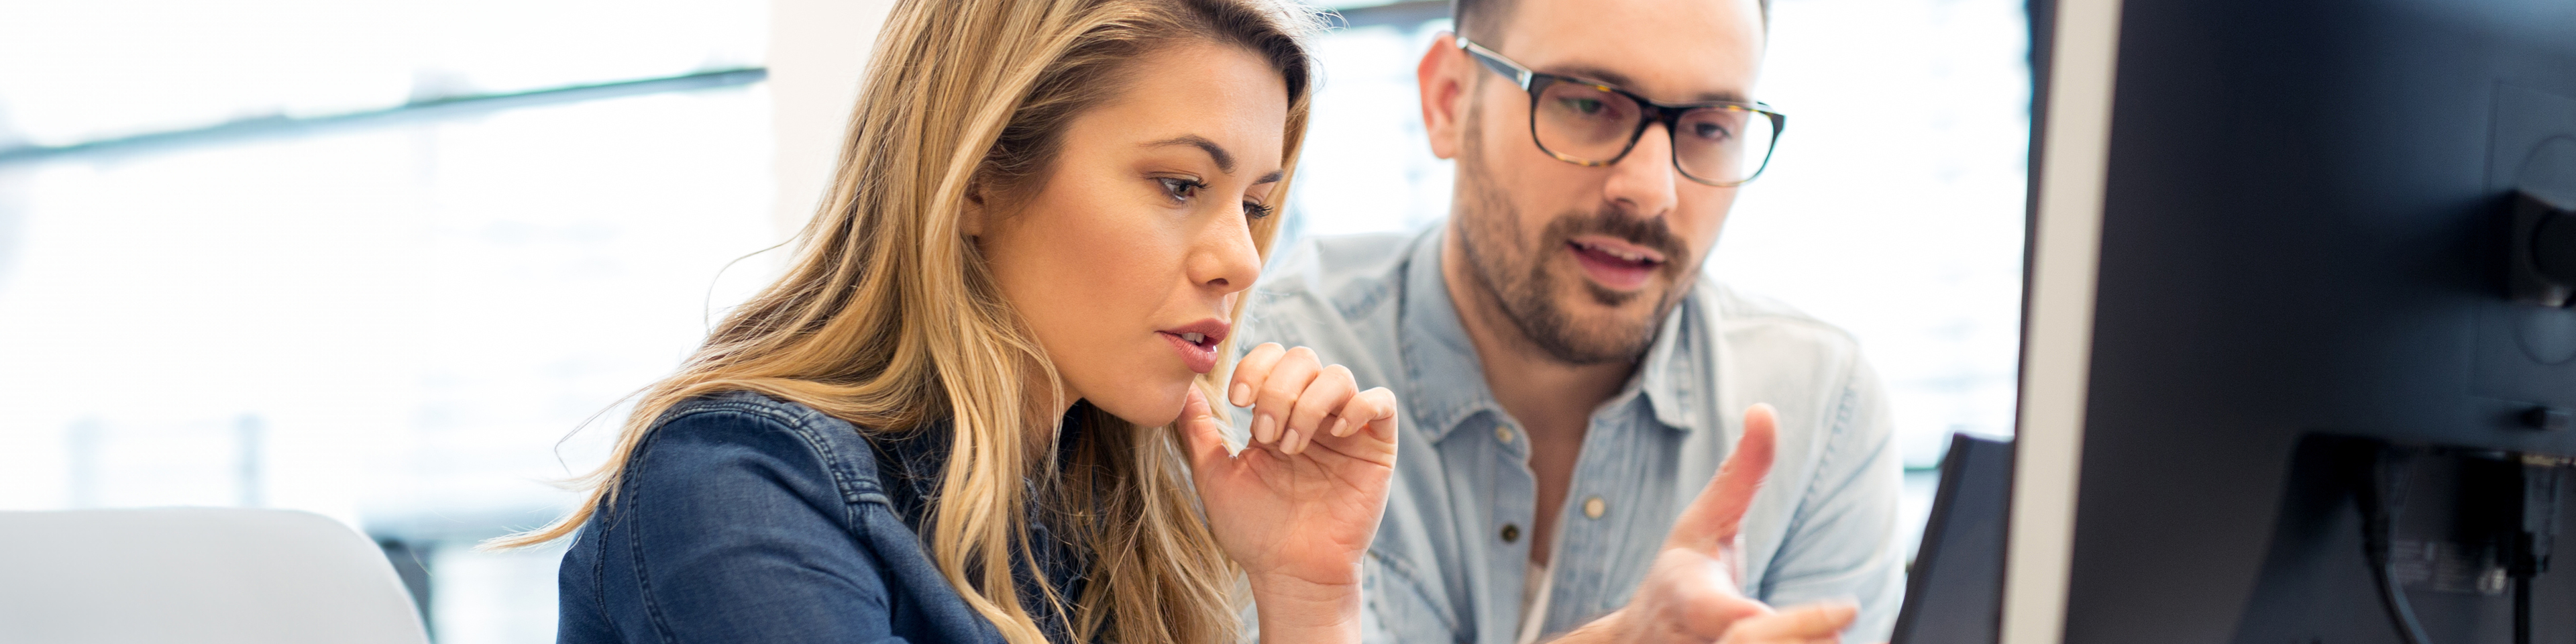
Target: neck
<point>1549,397</point>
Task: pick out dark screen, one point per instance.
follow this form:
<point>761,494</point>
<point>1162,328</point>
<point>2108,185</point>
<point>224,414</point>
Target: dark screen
<point>2299,238</point>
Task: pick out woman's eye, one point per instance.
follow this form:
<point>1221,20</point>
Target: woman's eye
<point>1255,211</point>
<point>1180,188</point>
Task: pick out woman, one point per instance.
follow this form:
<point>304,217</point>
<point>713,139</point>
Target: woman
<point>975,408</point>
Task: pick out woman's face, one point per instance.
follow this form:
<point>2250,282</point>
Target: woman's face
<point>1126,261</point>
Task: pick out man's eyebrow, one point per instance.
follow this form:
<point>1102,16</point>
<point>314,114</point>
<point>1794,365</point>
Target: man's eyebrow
<point>1622,81</point>
<point>1224,160</point>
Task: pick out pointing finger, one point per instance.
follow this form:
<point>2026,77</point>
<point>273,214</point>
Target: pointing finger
<point>1713,519</point>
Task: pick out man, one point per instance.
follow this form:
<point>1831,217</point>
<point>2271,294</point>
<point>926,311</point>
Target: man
<point>1572,382</point>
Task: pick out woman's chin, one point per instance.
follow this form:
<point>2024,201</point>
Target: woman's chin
<point>1148,407</point>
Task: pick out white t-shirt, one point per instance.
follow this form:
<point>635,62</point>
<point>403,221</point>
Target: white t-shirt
<point>1534,591</point>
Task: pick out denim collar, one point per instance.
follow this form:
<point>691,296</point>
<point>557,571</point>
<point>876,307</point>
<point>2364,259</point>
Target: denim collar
<point>1448,386</point>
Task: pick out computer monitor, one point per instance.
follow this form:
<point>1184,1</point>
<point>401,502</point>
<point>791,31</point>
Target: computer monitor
<point>2295,307</point>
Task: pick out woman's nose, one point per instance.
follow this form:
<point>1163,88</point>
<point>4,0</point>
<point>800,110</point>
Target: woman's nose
<point>1223,258</point>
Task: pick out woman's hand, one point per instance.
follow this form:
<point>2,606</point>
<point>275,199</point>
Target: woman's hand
<point>1299,505</point>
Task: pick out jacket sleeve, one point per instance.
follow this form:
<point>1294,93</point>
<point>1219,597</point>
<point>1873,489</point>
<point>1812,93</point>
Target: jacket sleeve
<point>1843,544</point>
<point>738,533</point>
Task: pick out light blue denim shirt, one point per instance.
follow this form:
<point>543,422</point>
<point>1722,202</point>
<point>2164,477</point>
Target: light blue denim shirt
<point>1823,526</point>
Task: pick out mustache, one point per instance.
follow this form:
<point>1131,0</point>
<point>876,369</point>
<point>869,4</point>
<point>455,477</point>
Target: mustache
<point>1612,222</point>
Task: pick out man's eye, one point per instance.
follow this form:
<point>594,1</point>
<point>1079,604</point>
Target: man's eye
<point>1180,188</point>
<point>1711,131</point>
<point>1584,106</point>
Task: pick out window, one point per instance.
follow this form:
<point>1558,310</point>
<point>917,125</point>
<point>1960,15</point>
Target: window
<point>370,260</point>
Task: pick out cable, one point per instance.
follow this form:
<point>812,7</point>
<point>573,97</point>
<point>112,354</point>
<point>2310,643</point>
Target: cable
<point>2381,503</point>
<point>2522,611</point>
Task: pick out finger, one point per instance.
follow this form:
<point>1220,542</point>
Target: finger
<point>1705,594</point>
<point>1298,441</point>
<point>1200,429</point>
<point>1250,371</point>
<point>1713,519</point>
<point>1331,388</point>
<point>1795,624</point>
<point>1375,410</point>
<point>1278,392</point>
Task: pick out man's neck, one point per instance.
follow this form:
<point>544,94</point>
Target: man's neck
<point>1553,400</point>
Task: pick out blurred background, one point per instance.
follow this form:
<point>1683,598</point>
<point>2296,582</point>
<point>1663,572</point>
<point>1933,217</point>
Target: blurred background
<point>385,260</point>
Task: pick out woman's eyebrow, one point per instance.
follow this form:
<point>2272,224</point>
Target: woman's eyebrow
<point>1224,160</point>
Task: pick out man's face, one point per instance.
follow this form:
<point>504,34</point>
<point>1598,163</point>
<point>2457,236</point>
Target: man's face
<point>1586,261</point>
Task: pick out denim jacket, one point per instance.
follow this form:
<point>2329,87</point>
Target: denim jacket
<point>742,518</point>
<point>1450,557</point>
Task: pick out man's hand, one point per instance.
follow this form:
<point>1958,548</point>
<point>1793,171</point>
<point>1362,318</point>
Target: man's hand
<point>1694,593</point>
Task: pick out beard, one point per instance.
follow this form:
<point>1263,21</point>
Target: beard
<point>1517,276</point>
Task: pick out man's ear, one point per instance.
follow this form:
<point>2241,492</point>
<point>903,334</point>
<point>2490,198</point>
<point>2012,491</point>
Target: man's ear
<point>1443,77</point>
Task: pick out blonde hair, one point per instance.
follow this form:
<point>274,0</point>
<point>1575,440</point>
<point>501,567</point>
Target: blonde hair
<point>889,319</point>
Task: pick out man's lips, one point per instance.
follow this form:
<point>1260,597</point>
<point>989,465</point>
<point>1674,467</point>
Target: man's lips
<point>1618,248</point>
<point>1197,341</point>
<point>1615,264</point>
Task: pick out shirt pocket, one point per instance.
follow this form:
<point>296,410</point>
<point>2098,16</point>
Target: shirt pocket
<point>1404,607</point>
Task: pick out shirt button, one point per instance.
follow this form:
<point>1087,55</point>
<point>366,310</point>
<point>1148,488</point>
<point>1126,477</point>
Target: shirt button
<point>1503,433</point>
<point>1511,533</point>
<point>1593,507</point>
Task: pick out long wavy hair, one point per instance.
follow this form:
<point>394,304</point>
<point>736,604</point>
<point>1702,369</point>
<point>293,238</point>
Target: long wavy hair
<point>890,319</point>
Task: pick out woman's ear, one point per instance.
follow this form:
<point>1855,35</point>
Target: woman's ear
<point>972,220</point>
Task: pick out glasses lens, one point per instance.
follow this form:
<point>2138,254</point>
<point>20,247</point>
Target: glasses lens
<point>1722,145</point>
<point>1584,122</point>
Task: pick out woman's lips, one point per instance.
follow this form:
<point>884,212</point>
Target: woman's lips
<point>1199,355</point>
<point>1197,342</point>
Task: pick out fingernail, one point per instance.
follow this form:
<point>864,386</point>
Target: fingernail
<point>1288,443</point>
<point>1341,427</point>
<point>1239,395</point>
<point>1261,426</point>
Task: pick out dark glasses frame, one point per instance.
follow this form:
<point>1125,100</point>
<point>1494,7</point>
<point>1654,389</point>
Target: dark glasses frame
<point>1670,115</point>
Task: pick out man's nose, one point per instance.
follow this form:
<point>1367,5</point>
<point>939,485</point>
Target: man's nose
<point>1643,182</point>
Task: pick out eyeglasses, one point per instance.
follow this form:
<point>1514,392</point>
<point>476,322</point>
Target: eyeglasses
<point>1719,143</point>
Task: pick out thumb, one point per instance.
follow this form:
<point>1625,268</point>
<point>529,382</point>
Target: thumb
<point>1712,521</point>
<point>1200,429</point>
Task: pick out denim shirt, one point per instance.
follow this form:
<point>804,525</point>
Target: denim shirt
<point>742,518</point>
<point>1451,555</point>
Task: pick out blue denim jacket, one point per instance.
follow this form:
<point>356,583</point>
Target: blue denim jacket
<point>742,518</point>
<point>1450,556</point>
